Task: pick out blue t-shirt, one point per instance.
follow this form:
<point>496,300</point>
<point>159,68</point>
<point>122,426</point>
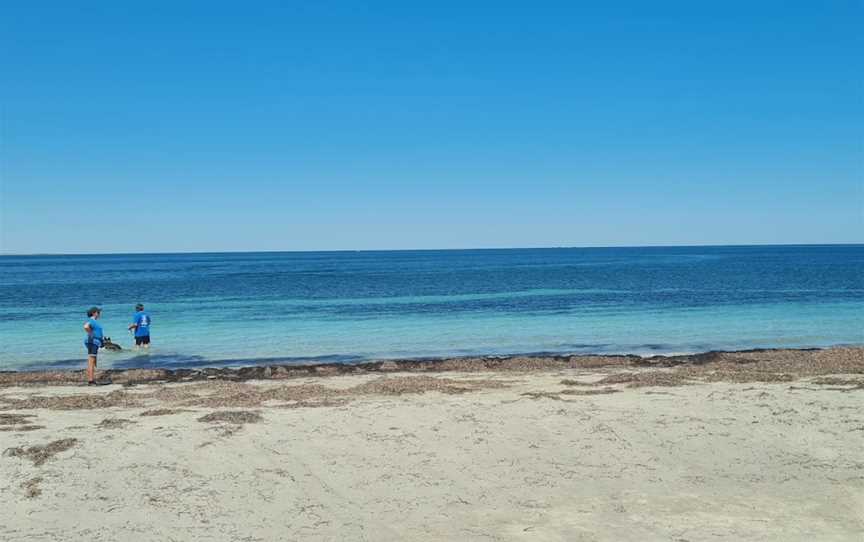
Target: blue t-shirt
<point>142,323</point>
<point>96,332</point>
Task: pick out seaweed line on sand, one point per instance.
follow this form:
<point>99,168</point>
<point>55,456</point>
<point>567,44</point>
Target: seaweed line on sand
<point>163,411</point>
<point>801,362</point>
<point>31,487</point>
<point>232,416</point>
<point>114,423</point>
<point>15,419</point>
<point>39,454</point>
<point>228,394</point>
<point>781,366</point>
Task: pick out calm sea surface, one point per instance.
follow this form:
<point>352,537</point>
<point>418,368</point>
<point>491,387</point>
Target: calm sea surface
<point>236,309</point>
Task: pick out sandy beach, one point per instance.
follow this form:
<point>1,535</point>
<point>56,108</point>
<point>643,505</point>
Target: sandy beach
<point>759,445</point>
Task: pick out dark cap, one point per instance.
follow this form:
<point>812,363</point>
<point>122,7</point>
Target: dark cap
<point>139,307</point>
<point>93,310</point>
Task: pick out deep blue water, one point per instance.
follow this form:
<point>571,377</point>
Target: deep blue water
<point>246,308</point>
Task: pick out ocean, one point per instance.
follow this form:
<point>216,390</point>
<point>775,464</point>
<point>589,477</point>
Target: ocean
<point>233,309</point>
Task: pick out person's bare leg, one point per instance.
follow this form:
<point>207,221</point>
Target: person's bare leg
<point>91,368</point>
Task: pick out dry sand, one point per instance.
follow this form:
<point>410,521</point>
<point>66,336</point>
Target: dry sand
<point>764,445</point>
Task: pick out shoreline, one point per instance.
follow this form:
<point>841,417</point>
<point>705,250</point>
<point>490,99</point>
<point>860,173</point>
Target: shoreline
<point>525,362</point>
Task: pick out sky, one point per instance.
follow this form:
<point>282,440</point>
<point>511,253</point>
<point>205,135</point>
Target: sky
<point>225,126</point>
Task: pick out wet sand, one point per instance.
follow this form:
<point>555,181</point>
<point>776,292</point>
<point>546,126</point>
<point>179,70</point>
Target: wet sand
<point>759,445</point>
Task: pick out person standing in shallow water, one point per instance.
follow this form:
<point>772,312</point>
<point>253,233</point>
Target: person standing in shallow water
<point>93,342</point>
<point>141,325</point>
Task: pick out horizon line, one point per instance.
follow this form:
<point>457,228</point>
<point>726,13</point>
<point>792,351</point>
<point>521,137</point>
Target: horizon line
<point>319,251</point>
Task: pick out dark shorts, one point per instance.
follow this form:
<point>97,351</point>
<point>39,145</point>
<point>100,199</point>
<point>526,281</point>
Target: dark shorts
<point>92,349</point>
<point>142,340</point>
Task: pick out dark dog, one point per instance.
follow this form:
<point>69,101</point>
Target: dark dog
<point>108,345</point>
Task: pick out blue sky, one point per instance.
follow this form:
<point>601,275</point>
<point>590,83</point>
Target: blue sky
<point>324,125</point>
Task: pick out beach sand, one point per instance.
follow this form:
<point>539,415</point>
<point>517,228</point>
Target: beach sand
<point>762,445</point>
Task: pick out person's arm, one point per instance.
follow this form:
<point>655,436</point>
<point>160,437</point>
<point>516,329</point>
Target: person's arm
<point>134,324</point>
<point>87,328</point>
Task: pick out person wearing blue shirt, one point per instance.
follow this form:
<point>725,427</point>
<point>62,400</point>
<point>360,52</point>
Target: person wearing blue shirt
<point>93,342</point>
<point>141,325</point>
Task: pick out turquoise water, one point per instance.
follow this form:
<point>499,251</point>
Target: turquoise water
<point>240,309</point>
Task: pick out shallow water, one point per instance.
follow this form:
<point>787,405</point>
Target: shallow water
<point>235,309</point>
